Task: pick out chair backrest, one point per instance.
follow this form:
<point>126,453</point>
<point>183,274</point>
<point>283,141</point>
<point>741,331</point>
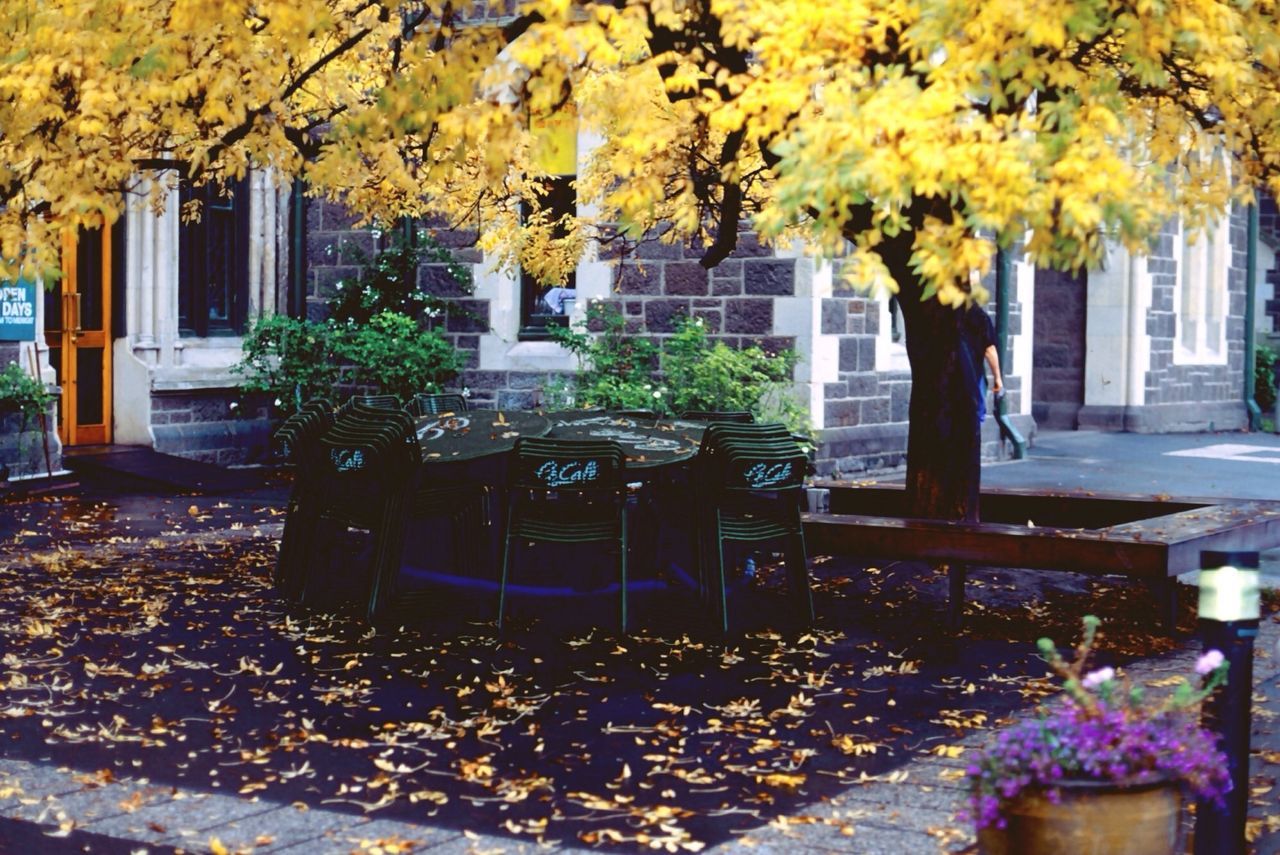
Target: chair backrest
<point>569,465</point>
<point>301,429</point>
<point>424,404</point>
<point>378,402</point>
<point>751,457</point>
<point>371,443</point>
<point>742,417</point>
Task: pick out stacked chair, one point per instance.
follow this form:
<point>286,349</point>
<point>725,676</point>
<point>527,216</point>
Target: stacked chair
<point>424,404</point>
<point>750,482</point>
<point>290,443</point>
<point>358,473</point>
<point>567,492</point>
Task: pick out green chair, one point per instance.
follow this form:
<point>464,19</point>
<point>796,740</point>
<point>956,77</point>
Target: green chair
<point>290,443</point>
<point>731,416</point>
<point>379,402</point>
<point>751,484</point>
<point>567,491</point>
<point>424,404</point>
<point>357,474</point>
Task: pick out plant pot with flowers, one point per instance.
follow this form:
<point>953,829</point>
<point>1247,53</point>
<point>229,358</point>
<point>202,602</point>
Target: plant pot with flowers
<point>1100,768</point>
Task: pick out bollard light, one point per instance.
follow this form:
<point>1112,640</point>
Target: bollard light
<point>1230,607</point>
<point>1229,588</point>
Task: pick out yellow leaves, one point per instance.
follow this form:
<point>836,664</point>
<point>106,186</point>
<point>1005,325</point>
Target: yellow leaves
<point>948,751</point>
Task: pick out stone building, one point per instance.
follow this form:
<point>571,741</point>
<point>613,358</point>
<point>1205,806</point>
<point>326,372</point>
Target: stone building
<point>1150,343</point>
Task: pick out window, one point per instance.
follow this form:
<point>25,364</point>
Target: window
<point>1201,298</point>
<point>556,153</point>
<point>213,265</point>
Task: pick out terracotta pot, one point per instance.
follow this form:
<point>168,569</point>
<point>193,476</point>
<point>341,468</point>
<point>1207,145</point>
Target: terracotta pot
<point>1091,817</point>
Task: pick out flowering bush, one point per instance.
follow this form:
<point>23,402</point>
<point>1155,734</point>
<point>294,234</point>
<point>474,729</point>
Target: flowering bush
<point>1103,729</point>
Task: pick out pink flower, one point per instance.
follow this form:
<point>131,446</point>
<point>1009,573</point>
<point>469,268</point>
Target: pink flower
<point>1094,679</point>
<point>1209,662</point>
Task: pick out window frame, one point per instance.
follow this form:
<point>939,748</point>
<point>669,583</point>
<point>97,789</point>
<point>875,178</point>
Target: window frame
<point>1201,296</point>
<point>562,194</point>
<point>195,260</point>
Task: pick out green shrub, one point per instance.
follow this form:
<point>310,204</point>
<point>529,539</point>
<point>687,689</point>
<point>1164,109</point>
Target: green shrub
<point>394,354</point>
<point>292,360</point>
<point>688,371</point>
<point>1264,385</point>
<point>615,370</point>
<point>703,375</point>
<point>377,334</point>
<point>22,393</point>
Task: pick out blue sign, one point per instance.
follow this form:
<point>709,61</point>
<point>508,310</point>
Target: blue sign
<point>18,311</point>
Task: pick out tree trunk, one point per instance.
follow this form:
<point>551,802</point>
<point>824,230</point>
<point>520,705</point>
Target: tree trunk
<point>944,438</point>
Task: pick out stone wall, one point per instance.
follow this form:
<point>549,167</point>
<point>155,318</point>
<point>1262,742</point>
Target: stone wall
<point>1059,355</point>
<point>1193,397</point>
<point>214,426</point>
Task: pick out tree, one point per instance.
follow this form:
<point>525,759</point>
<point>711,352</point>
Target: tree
<point>906,137</point>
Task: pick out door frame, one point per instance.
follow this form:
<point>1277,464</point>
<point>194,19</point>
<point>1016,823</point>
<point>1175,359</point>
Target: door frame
<point>70,337</point>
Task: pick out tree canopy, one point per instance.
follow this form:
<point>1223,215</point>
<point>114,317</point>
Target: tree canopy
<point>852,122</point>
<point>898,135</point>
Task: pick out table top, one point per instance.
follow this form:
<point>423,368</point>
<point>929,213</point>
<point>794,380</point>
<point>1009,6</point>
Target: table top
<point>476,433</point>
<point>646,442</point>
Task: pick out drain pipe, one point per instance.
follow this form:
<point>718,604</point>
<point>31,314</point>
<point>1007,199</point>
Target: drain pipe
<point>1004,272</point>
<point>298,251</point>
<point>1251,334</point>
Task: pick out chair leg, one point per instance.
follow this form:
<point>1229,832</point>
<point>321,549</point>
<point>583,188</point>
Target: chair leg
<point>724,592</point>
<point>502,582</point>
<point>798,577</point>
<point>388,551</point>
<point>622,561</point>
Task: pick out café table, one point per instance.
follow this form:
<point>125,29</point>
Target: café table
<point>648,443</point>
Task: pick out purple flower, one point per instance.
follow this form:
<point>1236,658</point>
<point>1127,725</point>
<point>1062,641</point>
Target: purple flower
<point>1094,679</point>
<point>1209,662</point>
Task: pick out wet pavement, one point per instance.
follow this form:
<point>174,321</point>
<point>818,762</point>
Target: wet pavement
<point>159,696</point>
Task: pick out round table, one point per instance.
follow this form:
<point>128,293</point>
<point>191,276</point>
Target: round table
<point>647,443</point>
<point>476,433</point>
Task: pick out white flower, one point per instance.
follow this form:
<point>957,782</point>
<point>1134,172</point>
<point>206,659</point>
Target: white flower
<point>234,405</point>
<point>339,286</point>
<point>1094,679</point>
<point>657,393</point>
<point>466,391</point>
<point>279,402</point>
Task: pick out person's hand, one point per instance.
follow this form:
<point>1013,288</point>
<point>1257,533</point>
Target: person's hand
<point>997,387</point>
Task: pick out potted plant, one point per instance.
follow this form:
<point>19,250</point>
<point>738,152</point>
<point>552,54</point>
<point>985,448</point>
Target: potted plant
<point>1102,767</point>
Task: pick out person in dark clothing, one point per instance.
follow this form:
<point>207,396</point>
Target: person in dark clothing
<point>978,345</point>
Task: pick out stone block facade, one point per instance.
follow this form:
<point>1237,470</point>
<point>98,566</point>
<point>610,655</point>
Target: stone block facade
<point>213,426</point>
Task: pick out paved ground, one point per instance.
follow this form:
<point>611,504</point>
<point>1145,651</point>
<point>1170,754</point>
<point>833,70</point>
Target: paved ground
<point>197,714</point>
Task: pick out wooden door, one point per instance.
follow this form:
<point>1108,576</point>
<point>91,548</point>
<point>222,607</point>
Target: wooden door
<point>78,332</point>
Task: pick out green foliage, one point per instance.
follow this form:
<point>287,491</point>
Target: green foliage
<point>393,353</point>
<point>1264,381</point>
<point>377,334</point>
<point>22,393</point>
<point>615,369</point>
<point>293,360</point>
<point>703,375</point>
<point>388,282</point>
<point>688,371</point>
